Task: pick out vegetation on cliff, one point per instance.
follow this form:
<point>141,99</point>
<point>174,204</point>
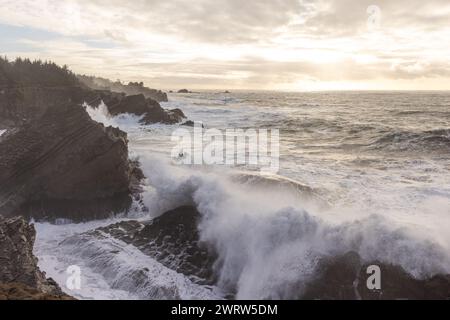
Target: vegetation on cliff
<point>132,88</point>
<point>25,72</point>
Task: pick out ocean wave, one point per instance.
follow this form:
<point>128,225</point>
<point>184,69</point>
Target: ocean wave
<point>266,241</point>
<point>112,269</point>
<point>269,233</point>
<point>431,113</point>
<point>432,140</point>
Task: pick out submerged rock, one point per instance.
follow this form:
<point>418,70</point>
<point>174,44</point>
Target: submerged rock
<point>65,165</point>
<point>20,277</point>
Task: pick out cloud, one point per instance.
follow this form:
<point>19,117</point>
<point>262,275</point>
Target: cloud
<point>253,44</point>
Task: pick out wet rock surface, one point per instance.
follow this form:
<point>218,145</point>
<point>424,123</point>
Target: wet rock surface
<point>173,240</point>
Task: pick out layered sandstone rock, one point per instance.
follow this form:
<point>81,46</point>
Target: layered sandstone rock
<point>65,165</point>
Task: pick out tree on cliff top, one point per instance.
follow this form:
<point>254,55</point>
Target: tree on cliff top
<point>24,72</point>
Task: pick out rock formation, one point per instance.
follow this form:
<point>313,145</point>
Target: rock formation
<point>19,105</point>
<point>65,165</point>
<point>150,110</point>
<point>345,278</point>
<point>189,123</point>
<point>172,239</point>
<point>20,277</point>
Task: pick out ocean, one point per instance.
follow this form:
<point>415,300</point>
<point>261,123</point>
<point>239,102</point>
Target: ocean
<point>358,171</point>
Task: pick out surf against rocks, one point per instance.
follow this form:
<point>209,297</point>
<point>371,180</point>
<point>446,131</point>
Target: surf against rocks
<point>259,148</point>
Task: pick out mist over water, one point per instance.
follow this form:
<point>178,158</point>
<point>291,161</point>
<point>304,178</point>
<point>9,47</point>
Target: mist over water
<point>377,171</point>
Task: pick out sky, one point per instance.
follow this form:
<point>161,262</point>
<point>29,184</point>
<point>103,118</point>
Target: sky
<point>292,45</point>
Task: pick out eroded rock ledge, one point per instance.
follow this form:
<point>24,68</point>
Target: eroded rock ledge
<point>20,277</point>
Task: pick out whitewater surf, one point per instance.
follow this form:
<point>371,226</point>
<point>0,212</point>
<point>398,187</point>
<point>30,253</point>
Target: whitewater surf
<point>349,180</point>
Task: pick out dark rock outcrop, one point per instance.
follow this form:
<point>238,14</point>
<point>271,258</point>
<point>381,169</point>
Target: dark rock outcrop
<point>150,110</point>
<point>189,123</point>
<point>19,105</point>
<point>20,277</point>
<point>65,165</point>
<point>184,91</point>
<point>173,240</point>
<point>345,278</point>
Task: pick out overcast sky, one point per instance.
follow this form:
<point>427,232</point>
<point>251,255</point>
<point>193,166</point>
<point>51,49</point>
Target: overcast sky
<point>237,44</point>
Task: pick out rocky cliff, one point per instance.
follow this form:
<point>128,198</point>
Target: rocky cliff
<point>20,277</point>
<point>65,165</point>
<point>56,162</point>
